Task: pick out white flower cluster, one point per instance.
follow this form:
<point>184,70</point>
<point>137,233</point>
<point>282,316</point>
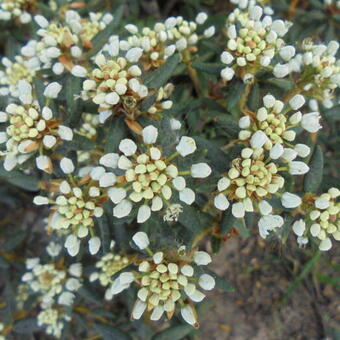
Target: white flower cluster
<point>253,41</point>
<point>88,128</point>
<point>317,68</point>
<point>74,207</point>
<point>116,84</point>
<point>254,177</point>
<point>165,280</point>
<point>272,126</point>
<point>164,39</point>
<point>55,288</point>
<point>150,177</point>
<point>22,69</point>
<point>31,129</point>
<point>16,9</point>
<point>108,265</point>
<point>62,45</point>
<point>323,222</point>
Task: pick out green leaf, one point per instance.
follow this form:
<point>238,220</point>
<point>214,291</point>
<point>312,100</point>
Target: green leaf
<point>313,178</point>
<point>117,131</point>
<point>161,75</point>
<point>281,83</point>
<point>72,87</point>
<point>103,36</point>
<point>227,221</point>
<point>190,219</point>
<point>173,333</point>
<point>19,179</point>
<point>241,228</point>
<point>111,333</point>
<point>26,326</point>
<point>39,88</point>
<point>104,232</point>
<point>211,68</point>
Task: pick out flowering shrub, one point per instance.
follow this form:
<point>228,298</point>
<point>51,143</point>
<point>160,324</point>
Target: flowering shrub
<point>145,145</point>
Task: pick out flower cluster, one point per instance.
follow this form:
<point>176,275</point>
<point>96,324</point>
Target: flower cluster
<point>272,127</point>
<point>74,204</point>
<point>164,39</point>
<point>150,176</point>
<point>55,287</point>
<point>116,84</point>
<point>254,177</point>
<point>107,266</point>
<point>16,9</point>
<point>62,45</point>
<point>252,42</point>
<point>323,221</point>
<point>32,129</point>
<point>166,279</point>
<point>22,69</point>
<point>317,69</point>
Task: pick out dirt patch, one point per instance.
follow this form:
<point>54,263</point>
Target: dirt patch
<point>261,273</point>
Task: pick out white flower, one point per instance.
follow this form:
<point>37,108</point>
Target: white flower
<point>94,245</point>
<point>75,269</point>
<point>141,239</point>
<point>134,54</point>
<point>281,70</point>
<point>43,163</point>
<point>189,315</point>
<point>41,21</point>
<point>144,213</point>
<point>72,245</point>
<point>269,223</point>
<point>227,73</point>
<point>265,208</point>
<point>299,227</point>
<point>66,298</point>
<point>40,200</point>
<point>52,90</point>
<point>122,209</point>
<point>109,160</point>
<point>79,71</point>
<point>67,165</point>
<point>276,151</point>
<point>226,58</point>
<point>287,52</point>
<point>321,203</point>
<point>138,309</point>
<point>302,150</point>
<point>269,101</point>
<point>65,132</point>
<point>207,282</point>
<point>186,146</point>
<point>244,122</point>
<point>298,168</point>
<point>201,18</point>
<point>53,249</point>
<point>290,200</point>
<point>127,147</point>
<point>221,202</point>
<point>209,32</point>
<point>187,196</point>
<point>202,258</point>
<point>311,122</point>
<point>238,210</point>
<point>297,102</point>
<point>258,139</point>
<point>150,134</point>
<point>200,170</point>
<point>325,244</point>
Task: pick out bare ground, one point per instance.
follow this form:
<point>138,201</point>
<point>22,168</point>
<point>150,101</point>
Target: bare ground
<point>261,273</point>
